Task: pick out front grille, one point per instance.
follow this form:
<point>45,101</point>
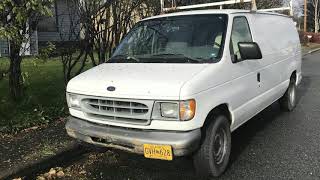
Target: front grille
<point>119,119</point>
<point>118,107</point>
<point>122,111</point>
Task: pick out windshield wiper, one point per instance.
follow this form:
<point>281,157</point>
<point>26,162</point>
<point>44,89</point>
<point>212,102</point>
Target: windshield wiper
<point>123,58</point>
<point>187,58</point>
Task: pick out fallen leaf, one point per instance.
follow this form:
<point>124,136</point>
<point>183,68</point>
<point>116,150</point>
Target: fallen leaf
<point>60,174</point>
<point>17,178</point>
<point>52,171</point>
<point>46,175</point>
<point>41,178</point>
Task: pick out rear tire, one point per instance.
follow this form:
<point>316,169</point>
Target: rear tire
<point>212,159</point>
<point>289,100</point>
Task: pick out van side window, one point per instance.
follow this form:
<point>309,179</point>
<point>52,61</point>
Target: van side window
<point>240,33</point>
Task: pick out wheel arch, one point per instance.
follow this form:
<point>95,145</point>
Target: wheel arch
<point>294,76</point>
<point>220,109</point>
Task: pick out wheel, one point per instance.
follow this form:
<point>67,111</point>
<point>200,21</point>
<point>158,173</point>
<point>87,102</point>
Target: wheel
<point>289,100</point>
<point>212,158</point>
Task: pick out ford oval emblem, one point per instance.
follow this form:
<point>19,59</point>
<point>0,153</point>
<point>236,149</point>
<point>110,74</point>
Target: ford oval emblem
<point>111,88</point>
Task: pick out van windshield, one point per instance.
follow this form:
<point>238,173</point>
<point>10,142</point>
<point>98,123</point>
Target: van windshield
<point>179,39</point>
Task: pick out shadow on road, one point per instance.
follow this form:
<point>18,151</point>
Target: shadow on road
<point>303,87</point>
<point>242,136</point>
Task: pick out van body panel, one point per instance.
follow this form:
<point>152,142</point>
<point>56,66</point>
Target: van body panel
<point>242,92</point>
<point>154,125</point>
<point>210,84</point>
<point>260,103</point>
<point>132,140</point>
<point>137,81</point>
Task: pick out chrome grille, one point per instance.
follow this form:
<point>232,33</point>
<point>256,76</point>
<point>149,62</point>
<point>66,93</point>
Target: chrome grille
<point>123,111</point>
<point>119,119</point>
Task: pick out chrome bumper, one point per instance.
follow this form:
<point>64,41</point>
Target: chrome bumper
<point>132,140</point>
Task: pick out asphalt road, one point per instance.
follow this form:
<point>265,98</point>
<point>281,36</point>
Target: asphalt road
<point>272,145</point>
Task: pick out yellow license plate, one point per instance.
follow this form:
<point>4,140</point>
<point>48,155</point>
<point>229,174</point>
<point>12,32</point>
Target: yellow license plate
<point>153,151</point>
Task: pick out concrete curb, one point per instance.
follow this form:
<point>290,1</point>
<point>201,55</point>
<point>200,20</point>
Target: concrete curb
<point>311,51</point>
<point>61,159</point>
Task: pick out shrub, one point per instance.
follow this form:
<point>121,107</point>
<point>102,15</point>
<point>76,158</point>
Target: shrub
<point>304,37</point>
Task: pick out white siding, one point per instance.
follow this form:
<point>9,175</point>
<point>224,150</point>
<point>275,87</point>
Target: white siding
<point>64,21</point>
<point>4,49</point>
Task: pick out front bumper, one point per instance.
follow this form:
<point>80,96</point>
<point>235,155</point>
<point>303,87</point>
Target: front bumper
<point>132,140</point>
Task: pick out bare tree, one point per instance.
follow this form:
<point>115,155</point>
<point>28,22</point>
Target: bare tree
<point>102,26</point>
<point>73,50</point>
<point>149,8</point>
<point>261,4</point>
<point>316,14</point>
<point>266,4</point>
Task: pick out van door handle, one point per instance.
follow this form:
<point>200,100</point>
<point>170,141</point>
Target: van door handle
<point>258,77</point>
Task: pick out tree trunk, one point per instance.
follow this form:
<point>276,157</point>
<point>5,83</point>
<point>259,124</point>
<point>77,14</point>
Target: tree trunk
<point>316,19</point>
<point>15,77</point>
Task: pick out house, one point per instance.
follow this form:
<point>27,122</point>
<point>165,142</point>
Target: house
<point>4,48</point>
<point>63,26</point>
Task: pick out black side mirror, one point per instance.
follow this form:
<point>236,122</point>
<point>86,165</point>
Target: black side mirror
<point>249,50</point>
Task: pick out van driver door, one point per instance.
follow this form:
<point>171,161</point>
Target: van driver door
<point>246,75</point>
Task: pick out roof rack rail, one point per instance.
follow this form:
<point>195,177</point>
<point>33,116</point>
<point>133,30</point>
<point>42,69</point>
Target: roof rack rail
<point>221,4</point>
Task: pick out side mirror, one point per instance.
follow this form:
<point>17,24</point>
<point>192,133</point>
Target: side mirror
<point>249,50</point>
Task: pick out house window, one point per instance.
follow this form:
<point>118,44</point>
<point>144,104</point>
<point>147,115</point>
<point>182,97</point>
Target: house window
<point>49,23</point>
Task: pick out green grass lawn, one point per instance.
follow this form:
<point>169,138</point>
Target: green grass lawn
<point>44,98</point>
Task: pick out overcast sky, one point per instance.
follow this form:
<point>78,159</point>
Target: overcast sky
<point>297,4</point>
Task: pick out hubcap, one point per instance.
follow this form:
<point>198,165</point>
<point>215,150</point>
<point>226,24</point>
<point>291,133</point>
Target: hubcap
<point>220,145</point>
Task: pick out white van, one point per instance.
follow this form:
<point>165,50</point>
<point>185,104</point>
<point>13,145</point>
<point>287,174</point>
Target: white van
<point>179,84</point>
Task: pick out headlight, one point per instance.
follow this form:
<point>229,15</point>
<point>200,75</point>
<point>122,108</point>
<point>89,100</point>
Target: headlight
<point>73,100</point>
<point>166,111</point>
<point>179,110</point>
<point>169,110</point>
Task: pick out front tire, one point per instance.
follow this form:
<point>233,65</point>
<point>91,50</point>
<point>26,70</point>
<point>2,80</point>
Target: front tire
<point>212,159</point>
<point>289,100</point>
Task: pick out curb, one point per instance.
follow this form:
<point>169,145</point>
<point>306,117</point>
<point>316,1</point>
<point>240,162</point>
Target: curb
<point>311,51</point>
<point>62,158</point>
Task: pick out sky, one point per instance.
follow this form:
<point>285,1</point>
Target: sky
<point>297,6</point>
